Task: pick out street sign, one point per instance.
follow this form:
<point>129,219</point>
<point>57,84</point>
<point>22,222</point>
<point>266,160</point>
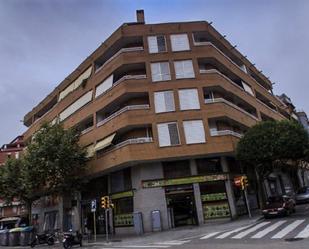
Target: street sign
<point>93,205</point>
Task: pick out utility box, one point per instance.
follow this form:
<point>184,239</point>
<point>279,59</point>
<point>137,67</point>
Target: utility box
<point>138,223</point>
<point>156,221</point>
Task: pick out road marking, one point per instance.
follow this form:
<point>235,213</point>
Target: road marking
<point>172,242</point>
<point>224,235</point>
<point>144,246</point>
<point>304,233</point>
<point>207,236</point>
<point>252,229</point>
<point>268,230</point>
<point>287,229</point>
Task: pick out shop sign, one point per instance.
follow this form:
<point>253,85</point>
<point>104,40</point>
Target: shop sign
<point>184,180</point>
<point>122,195</point>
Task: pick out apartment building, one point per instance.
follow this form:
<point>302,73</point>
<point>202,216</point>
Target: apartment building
<point>160,108</point>
<point>8,151</point>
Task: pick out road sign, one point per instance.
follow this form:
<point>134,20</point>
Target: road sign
<point>93,205</point>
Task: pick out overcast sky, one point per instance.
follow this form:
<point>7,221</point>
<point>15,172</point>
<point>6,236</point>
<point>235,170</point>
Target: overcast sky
<point>42,41</point>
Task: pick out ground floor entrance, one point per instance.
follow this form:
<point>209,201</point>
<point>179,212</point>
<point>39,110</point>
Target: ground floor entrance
<point>181,205</point>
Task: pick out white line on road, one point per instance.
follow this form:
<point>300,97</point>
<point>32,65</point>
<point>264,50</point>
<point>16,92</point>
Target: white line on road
<point>287,229</point>
<point>304,233</point>
<point>172,242</point>
<point>224,235</point>
<point>207,236</point>
<point>269,229</point>
<point>143,246</point>
<point>252,229</point>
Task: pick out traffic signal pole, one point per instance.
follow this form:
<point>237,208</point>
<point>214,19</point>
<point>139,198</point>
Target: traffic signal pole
<point>247,202</point>
<point>106,224</point>
<point>94,227</point>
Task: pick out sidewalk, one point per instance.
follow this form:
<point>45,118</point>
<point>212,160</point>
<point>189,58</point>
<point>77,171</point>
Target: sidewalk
<point>180,233</point>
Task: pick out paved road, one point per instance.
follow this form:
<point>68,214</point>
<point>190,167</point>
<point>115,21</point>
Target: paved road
<point>284,233</point>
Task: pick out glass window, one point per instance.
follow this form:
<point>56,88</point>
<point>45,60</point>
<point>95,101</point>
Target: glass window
<point>121,180</point>
<point>180,42</point>
<point>208,166</point>
<point>164,101</point>
<point>247,88</point>
<point>176,169</point>
<point>194,131</point>
<point>160,71</point>
<point>156,44</point>
<point>168,134</point>
<point>184,69</point>
<point>188,99</point>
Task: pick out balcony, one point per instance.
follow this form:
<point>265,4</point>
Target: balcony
<point>85,125</point>
<point>226,127</point>
<point>126,136</point>
<point>220,95</point>
<point>203,38</point>
<point>123,45</point>
<point>125,103</point>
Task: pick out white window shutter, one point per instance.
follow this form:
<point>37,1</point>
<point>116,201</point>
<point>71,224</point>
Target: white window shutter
<point>194,131</point>
<point>169,101</point>
<point>165,71</point>
<point>188,69</point>
<point>159,102</point>
<point>188,99</point>
<point>163,134</point>
<point>104,86</point>
<point>155,72</point>
<point>164,101</point>
<point>153,44</point>
<point>180,42</point>
<point>247,88</point>
<point>179,71</point>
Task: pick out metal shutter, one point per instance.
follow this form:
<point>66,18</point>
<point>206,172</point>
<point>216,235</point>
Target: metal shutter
<point>194,131</point>
<point>188,99</point>
<point>104,86</point>
<point>180,42</point>
<point>163,134</point>
<point>152,44</point>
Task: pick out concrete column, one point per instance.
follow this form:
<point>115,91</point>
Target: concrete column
<point>147,200</point>
<point>229,188</point>
<point>197,194</point>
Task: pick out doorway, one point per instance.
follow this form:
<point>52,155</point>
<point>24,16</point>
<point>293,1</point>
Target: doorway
<point>182,208</point>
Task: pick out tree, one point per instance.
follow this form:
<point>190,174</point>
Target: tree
<point>52,163</point>
<point>273,144</point>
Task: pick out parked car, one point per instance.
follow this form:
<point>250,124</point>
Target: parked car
<point>279,206</point>
<point>302,195</point>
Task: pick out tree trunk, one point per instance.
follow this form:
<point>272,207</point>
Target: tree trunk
<point>260,191</point>
<point>29,208</point>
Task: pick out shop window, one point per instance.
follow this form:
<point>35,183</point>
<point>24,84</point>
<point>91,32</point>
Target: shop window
<point>176,169</point>
<point>208,166</point>
<point>156,44</point>
<point>121,180</point>
<point>123,215</point>
<point>51,220</point>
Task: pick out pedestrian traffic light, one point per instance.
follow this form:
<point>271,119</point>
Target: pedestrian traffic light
<point>105,202</point>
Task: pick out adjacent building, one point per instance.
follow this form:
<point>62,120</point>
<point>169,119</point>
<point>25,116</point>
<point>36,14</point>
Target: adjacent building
<point>160,108</point>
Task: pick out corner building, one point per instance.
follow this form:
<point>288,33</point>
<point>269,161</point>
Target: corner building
<point>160,108</point>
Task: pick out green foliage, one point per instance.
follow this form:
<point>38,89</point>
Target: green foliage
<point>52,163</point>
<point>273,143</point>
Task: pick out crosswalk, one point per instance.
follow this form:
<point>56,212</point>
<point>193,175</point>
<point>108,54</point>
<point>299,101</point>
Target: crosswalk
<point>278,229</point>
<point>154,245</point>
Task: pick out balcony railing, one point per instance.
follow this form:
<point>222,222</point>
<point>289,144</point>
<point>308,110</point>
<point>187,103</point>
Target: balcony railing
<point>124,109</point>
<point>140,140</point>
<point>211,44</point>
<point>86,130</point>
<point>222,100</point>
<point>123,50</point>
<point>226,133</point>
<point>129,77</point>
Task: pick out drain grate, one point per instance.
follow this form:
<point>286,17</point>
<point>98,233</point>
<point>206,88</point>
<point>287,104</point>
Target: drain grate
<point>293,239</point>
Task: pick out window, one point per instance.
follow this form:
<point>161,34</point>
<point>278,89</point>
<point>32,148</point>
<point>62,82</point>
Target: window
<point>160,71</point>
<point>104,86</point>
<point>184,69</point>
<point>168,134</point>
<point>208,166</point>
<point>194,131</point>
<point>121,180</point>
<point>164,101</point>
<point>188,99</point>
<point>180,42</point>
<point>247,88</point>
<point>156,44</point>
<point>176,169</point>
<point>244,68</point>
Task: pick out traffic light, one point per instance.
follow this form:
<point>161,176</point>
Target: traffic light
<point>105,202</point>
<point>244,182</point>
